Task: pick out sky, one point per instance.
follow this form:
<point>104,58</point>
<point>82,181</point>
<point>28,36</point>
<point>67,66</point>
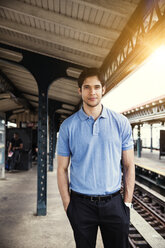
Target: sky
<point>145,83</point>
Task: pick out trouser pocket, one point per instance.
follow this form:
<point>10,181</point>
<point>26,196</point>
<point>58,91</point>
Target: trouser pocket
<point>68,208</point>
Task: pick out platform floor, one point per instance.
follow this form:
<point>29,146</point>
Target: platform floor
<point>19,225</point>
<point>151,160</point>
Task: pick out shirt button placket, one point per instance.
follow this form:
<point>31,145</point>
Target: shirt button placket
<point>95,128</point>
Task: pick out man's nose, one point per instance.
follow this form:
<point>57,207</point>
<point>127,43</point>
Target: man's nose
<point>92,91</point>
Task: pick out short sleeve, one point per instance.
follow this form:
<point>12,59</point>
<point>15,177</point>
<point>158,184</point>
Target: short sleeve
<point>63,142</point>
<point>127,140</point>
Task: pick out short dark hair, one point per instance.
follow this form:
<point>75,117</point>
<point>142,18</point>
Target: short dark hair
<point>89,72</point>
<point>16,133</point>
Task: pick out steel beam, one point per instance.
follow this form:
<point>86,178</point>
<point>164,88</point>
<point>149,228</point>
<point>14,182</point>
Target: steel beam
<point>51,134</point>
<point>151,114</point>
<point>55,138</point>
<point>53,122</point>
<point>142,34</point>
<point>151,147</point>
<point>52,140</point>
<point>139,143</point>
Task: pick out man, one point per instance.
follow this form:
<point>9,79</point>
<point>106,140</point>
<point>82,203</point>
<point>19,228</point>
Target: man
<point>15,146</point>
<point>96,139</point>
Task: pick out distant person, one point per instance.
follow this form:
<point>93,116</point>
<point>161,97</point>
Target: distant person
<point>96,139</point>
<point>15,146</point>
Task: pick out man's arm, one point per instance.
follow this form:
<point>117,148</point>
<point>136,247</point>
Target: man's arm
<point>63,180</point>
<point>129,174</point>
<point>10,146</point>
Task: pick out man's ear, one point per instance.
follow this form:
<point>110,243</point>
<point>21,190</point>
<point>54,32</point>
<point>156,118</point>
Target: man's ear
<point>79,91</point>
<point>103,90</point>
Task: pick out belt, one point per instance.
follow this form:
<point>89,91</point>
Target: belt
<point>95,198</point>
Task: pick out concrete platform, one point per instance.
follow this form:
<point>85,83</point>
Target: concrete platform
<point>150,235</point>
<point>19,227</point>
<point>150,160</point>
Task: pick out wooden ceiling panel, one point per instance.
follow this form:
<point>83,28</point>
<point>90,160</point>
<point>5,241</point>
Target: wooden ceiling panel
<point>86,14</point>
<point>31,97</point>
<point>8,104</point>
<point>104,19</point>
<point>110,21</point>
<point>65,89</point>
<point>92,16</point>
<point>98,17</point>
<point>66,81</point>
<point>74,10</point>
<point>116,22</point>
<point>119,7</point>
<point>77,31</point>
<point>63,97</point>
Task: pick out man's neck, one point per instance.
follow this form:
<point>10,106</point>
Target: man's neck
<point>93,111</point>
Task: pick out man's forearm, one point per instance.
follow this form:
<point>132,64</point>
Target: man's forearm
<point>9,149</point>
<point>129,183</point>
<point>63,185</point>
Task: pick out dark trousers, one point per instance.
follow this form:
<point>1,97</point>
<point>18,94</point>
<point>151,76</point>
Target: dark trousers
<point>112,216</point>
<point>15,159</point>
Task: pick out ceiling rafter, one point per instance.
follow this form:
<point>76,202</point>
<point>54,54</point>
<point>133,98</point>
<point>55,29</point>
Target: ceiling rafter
<point>62,20</point>
<point>54,39</point>
<point>48,51</point>
<point>119,7</point>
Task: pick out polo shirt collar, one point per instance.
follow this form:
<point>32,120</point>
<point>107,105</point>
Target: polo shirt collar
<point>104,113</point>
<point>83,116</point>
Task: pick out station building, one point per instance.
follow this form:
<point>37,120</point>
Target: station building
<point>44,46</point>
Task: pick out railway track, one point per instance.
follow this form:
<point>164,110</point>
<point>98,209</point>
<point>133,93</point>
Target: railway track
<point>136,240</point>
<point>152,209</point>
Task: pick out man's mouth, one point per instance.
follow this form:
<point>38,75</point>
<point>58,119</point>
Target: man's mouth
<point>92,99</point>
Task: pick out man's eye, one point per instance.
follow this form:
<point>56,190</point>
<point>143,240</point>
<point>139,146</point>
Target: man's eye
<point>86,87</point>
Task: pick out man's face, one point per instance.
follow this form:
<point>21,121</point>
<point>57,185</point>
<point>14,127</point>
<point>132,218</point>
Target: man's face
<point>92,91</point>
<point>15,136</point>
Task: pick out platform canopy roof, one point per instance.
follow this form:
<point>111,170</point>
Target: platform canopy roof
<point>151,111</point>
<point>73,33</point>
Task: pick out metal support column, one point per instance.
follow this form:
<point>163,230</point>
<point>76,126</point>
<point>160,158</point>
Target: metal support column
<point>51,135</point>
<point>2,145</point>
<point>42,152</point>
<point>53,123</point>
<point>151,139</point>
<point>139,143</point>
<point>52,147</point>
<point>54,142</point>
<point>45,71</point>
<point>55,137</point>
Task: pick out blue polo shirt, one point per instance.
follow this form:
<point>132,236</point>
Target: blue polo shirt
<point>95,148</point>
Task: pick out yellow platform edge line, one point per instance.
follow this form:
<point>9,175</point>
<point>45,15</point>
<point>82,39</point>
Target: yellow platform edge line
<point>150,169</point>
